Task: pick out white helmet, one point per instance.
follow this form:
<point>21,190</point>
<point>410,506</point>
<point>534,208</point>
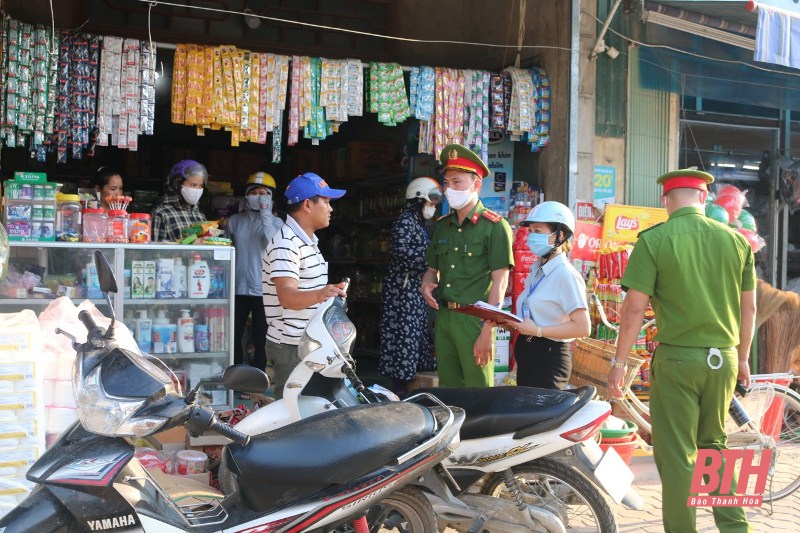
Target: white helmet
<point>425,188</point>
<point>552,213</point>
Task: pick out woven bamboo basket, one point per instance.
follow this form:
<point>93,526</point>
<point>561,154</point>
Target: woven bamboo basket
<point>591,362</point>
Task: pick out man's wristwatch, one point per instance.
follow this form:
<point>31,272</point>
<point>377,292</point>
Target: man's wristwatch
<point>538,331</point>
<point>615,364</point>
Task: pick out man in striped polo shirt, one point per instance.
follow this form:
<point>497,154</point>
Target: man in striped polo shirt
<point>295,275</point>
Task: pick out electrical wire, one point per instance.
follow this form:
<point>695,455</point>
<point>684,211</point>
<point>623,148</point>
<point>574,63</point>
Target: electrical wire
<point>356,32</point>
<point>52,51</point>
<point>693,54</point>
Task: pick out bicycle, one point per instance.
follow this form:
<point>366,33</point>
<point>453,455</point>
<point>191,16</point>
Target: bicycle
<point>773,410</point>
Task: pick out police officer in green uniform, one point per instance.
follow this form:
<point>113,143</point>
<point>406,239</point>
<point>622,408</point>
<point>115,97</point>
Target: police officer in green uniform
<point>701,279</point>
<point>468,260</point>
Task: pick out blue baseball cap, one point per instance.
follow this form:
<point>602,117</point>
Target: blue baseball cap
<point>307,186</point>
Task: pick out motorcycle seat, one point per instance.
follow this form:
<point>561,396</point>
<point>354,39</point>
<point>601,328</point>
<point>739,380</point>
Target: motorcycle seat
<point>498,410</point>
<point>335,447</point>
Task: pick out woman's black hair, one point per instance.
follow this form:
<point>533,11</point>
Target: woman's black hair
<point>416,204</point>
<point>102,176</point>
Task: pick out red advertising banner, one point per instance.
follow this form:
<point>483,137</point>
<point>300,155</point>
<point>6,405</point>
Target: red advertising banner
<point>586,241</point>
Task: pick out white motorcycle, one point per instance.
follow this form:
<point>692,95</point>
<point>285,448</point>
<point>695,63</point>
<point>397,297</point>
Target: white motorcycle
<point>526,455</point>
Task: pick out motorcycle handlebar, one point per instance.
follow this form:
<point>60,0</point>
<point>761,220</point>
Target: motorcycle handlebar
<point>227,431</point>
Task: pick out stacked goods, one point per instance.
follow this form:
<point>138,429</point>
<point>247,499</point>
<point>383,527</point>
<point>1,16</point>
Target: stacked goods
<point>728,206</point>
<point>222,87</point>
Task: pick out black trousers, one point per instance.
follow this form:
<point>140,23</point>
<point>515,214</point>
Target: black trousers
<point>542,362</point>
<point>243,306</point>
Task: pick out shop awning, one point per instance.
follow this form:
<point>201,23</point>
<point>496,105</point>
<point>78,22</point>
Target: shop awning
<point>723,21</point>
<point>771,28</point>
<point>695,53</point>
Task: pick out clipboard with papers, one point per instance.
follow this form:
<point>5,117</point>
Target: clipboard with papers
<point>485,311</point>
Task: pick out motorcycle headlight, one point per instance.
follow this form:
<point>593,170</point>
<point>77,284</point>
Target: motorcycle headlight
<point>141,425</point>
<point>103,414</point>
<point>306,346</point>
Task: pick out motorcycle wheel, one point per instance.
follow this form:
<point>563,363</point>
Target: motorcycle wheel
<point>404,511</point>
<point>565,491</point>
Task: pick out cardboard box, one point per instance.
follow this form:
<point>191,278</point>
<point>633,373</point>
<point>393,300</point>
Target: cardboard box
<point>149,290</point>
<point>425,379</point>
<point>183,489</point>
<point>173,435</point>
<point>623,223</point>
<point>424,165</point>
<point>137,279</point>
<point>366,159</point>
<point>206,439</point>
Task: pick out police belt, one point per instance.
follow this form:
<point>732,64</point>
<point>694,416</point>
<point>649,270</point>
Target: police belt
<point>452,305</point>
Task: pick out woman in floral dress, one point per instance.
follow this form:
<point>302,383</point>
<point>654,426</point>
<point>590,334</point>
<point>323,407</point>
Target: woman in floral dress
<point>405,335</point>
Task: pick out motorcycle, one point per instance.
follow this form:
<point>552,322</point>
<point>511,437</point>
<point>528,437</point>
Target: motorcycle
<point>522,450</point>
<point>339,471</point>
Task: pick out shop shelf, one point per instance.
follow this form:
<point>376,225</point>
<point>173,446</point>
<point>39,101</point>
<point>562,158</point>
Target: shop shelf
<point>177,301</point>
<point>191,355</point>
<point>46,301</point>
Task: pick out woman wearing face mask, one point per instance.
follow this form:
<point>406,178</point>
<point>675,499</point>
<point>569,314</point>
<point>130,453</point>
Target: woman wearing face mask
<point>106,182</point>
<point>185,184</point>
<point>405,337</point>
<point>552,304</point>
<point>251,230</point>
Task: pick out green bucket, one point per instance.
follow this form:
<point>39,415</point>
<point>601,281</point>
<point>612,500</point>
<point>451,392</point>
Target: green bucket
<point>619,433</point>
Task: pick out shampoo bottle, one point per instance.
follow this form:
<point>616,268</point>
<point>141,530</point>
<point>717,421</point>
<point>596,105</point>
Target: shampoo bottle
<point>179,274</point>
<point>161,332</point>
<point>144,332</point>
<point>185,332</point>
<point>199,278</point>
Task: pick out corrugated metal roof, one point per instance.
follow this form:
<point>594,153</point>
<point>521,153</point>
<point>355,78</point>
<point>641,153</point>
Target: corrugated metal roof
<point>724,9</point>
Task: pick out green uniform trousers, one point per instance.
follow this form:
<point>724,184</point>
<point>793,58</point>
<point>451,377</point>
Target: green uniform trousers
<point>688,405</point>
<point>455,360</point>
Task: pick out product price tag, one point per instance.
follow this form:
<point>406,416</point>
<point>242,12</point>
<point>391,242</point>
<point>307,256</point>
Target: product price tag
<point>15,342</point>
<point>222,255</point>
<point>21,457</point>
<point>16,371</point>
<point>17,400</point>
<point>17,429</point>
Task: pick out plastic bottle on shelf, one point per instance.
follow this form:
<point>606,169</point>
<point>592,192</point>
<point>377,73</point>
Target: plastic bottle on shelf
<point>144,331</point>
<point>179,276</point>
<point>186,332</point>
<point>199,278</point>
<point>201,337</point>
<point>68,218</point>
<point>161,333</point>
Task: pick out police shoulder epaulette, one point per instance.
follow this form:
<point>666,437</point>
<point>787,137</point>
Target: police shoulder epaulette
<point>648,229</point>
<point>491,216</point>
<point>444,216</point>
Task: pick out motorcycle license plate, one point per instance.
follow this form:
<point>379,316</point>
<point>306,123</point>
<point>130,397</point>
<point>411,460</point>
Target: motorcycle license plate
<point>613,475</point>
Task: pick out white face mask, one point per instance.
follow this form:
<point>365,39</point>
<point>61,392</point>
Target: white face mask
<point>192,196</point>
<point>459,199</point>
<point>428,211</point>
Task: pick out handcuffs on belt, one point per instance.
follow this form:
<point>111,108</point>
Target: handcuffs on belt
<point>712,353</point>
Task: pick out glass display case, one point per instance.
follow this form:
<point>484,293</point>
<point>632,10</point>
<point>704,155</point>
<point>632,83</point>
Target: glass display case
<point>177,300</point>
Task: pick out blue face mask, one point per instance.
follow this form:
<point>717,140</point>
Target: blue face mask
<point>537,242</point>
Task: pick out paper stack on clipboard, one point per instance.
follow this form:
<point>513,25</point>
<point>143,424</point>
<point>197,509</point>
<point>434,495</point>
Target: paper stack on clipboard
<point>485,311</point>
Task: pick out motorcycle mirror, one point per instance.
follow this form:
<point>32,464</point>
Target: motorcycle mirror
<point>245,378</point>
<point>108,283</point>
